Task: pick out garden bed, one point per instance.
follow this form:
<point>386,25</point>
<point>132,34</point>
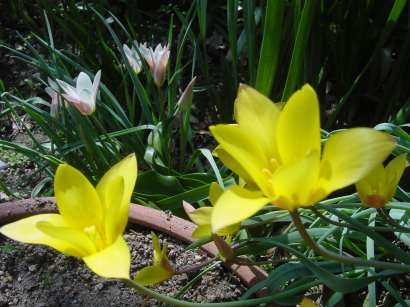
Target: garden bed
<point>32,275</point>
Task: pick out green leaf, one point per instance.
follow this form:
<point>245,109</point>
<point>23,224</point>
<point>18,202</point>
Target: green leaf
<point>295,71</point>
<point>270,49</point>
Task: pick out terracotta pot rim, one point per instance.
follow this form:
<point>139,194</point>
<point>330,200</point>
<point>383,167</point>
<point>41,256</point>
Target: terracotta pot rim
<point>151,218</point>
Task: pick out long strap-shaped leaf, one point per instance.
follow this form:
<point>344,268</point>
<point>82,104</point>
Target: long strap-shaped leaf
<point>296,63</point>
<point>270,50</point>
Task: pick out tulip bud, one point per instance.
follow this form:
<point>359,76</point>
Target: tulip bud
<point>185,100</point>
<point>380,185</point>
<point>133,58</point>
<point>157,61</point>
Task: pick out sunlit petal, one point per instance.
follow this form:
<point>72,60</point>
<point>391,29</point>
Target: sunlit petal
<point>202,231</point>
<point>112,262</point>
<point>229,230</point>
<point>373,183</point>
<point>77,199</point>
<point>72,236</point>
<point>236,205</point>
<point>126,169</point>
<point>152,275</point>
<point>232,164</point>
<point>294,183</point>
<point>394,171</point>
<point>157,248</point>
<point>215,191</point>
<point>299,126</point>
<point>112,209</point>
<point>351,154</point>
<point>258,115</point>
<point>26,231</point>
<point>201,216</point>
<point>243,147</point>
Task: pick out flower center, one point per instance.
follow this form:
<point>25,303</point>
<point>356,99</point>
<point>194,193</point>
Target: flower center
<point>94,235</point>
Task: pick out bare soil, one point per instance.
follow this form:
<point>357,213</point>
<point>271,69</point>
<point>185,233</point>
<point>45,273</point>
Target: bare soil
<point>37,276</point>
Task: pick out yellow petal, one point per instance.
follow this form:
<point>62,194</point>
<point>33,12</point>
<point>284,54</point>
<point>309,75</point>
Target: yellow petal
<point>112,214</point>
<point>236,205</point>
<point>307,302</point>
<point>232,164</point>
<point>112,262</point>
<point>350,155</point>
<point>152,275</point>
<point>373,183</point>
<point>127,169</point>
<point>157,248</point>
<point>201,216</point>
<point>299,126</point>
<point>72,236</point>
<point>294,183</point>
<point>242,147</point>
<point>77,199</point>
<point>258,115</point>
<point>26,231</point>
<point>214,192</point>
<point>394,171</point>
<point>202,232</point>
<point>229,230</point>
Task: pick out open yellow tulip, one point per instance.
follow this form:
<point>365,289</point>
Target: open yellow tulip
<point>160,270</point>
<point>91,220</point>
<point>278,153</point>
<point>380,185</point>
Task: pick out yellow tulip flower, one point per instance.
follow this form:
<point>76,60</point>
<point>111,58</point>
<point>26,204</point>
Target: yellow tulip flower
<point>161,269</point>
<point>91,220</point>
<point>307,302</point>
<point>202,216</point>
<point>279,154</point>
<point>380,185</point>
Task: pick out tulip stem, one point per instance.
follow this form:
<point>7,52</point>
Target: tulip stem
<point>176,302</point>
<point>340,258</point>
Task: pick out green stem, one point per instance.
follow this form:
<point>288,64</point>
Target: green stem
<point>249,302</point>
<point>176,302</point>
<point>344,259</point>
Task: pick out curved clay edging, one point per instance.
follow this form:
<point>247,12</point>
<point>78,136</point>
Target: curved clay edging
<point>148,217</point>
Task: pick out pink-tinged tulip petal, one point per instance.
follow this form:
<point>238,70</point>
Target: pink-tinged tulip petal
<point>157,60</point>
<point>147,54</point>
<point>160,67</point>
<point>84,95</point>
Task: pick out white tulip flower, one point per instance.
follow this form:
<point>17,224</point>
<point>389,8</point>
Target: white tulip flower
<point>84,95</point>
